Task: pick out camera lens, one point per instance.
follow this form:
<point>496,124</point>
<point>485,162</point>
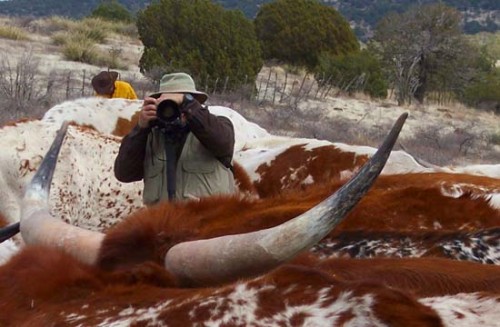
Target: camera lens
<point>167,110</point>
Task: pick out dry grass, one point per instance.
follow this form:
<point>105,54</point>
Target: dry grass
<point>81,46</point>
<point>13,33</point>
<point>81,49</point>
<point>90,40</point>
<point>96,28</point>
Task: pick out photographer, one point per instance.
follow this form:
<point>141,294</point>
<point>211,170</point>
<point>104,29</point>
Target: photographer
<point>178,148</point>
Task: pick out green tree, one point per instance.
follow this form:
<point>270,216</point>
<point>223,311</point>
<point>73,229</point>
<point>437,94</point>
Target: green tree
<point>484,91</point>
<point>200,38</point>
<point>355,72</point>
<point>112,10</point>
<point>298,31</point>
<point>423,49</point>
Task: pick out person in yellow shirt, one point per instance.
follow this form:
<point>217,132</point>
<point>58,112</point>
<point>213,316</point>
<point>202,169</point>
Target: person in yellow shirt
<point>106,85</point>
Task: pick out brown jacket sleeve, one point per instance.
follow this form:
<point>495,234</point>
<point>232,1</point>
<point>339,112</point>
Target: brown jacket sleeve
<point>216,133</point>
<point>129,163</point>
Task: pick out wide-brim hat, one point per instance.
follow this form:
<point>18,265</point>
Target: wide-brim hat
<point>179,83</point>
<point>104,82</point>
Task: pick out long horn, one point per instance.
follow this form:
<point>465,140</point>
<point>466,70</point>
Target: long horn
<point>226,258</point>
<point>38,226</point>
<point>8,232</point>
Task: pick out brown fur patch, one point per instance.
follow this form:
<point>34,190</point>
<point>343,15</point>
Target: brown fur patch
<point>415,201</point>
<point>3,221</point>
<point>243,181</point>
<point>124,126</point>
<point>17,122</point>
<point>289,170</point>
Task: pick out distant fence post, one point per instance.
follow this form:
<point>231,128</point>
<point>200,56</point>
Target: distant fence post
<point>242,94</point>
<point>206,83</point>
<point>267,84</point>
<point>215,85</point>
<point>297,98</point>
<point>258,90</point>
<point>83,83</point>
<point>225,85</point>
<point>68,81</point>
<point>275,86</point>
<point>284,87</point>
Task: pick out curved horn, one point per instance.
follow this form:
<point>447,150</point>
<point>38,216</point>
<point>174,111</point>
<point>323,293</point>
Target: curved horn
<point>226,258</point>
<point>38,226</point>
<point>8,232</point>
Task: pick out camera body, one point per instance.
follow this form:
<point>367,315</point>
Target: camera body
<point>168,112</point>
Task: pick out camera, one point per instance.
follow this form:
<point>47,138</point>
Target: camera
<point>168,112</point>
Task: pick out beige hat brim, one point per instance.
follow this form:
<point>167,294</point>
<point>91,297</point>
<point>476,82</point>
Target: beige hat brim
<point>199,96</point>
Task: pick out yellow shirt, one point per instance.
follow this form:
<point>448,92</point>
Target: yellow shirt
<point>122,90</point>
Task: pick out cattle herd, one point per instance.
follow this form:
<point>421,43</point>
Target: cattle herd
<point>320,233</point>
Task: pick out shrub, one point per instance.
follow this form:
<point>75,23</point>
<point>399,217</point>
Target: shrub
<point>94,28</point>
<point>58,23</point>
<point>21,90</point>
<point>352,73</point>
<point>490,42</point>
<point>13,33</point>
<point>80,43</point>
<point>298,31</point>
<point>82,50</point>
<point>495,138</point>
<point>113,11</point>
<point>200,38</point>
<point>80,33</point>
<point>485,92</point>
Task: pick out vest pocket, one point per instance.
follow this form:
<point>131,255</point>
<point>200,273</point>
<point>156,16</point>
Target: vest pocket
<point>153,181</point>
<point>198,167</point>
<point>198,178</point>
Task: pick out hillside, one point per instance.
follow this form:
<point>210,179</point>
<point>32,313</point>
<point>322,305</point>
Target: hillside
<point>479,15</point>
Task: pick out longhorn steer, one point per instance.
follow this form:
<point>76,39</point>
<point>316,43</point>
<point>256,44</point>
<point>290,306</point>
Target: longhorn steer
<point>212,261</point>
<point>84,193</point>
<point>400,203</point>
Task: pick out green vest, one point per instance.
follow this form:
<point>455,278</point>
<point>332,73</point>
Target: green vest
<point>198,172</point>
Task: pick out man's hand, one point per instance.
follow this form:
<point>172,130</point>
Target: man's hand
<point>148,112</point>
